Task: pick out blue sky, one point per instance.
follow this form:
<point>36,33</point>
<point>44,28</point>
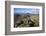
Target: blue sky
<point>26,10</point>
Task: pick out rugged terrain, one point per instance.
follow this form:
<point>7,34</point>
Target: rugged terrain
<point>26,20</point>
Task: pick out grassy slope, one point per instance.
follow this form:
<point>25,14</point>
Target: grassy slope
<point>35,19</point>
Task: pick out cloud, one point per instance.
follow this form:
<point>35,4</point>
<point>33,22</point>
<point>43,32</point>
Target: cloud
<point>26,10</point>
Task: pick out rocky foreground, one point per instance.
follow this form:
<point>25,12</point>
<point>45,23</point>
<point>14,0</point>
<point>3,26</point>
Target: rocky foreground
<point>26,21</point>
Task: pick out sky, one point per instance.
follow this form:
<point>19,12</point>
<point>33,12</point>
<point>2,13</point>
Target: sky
<point>26,10</point>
